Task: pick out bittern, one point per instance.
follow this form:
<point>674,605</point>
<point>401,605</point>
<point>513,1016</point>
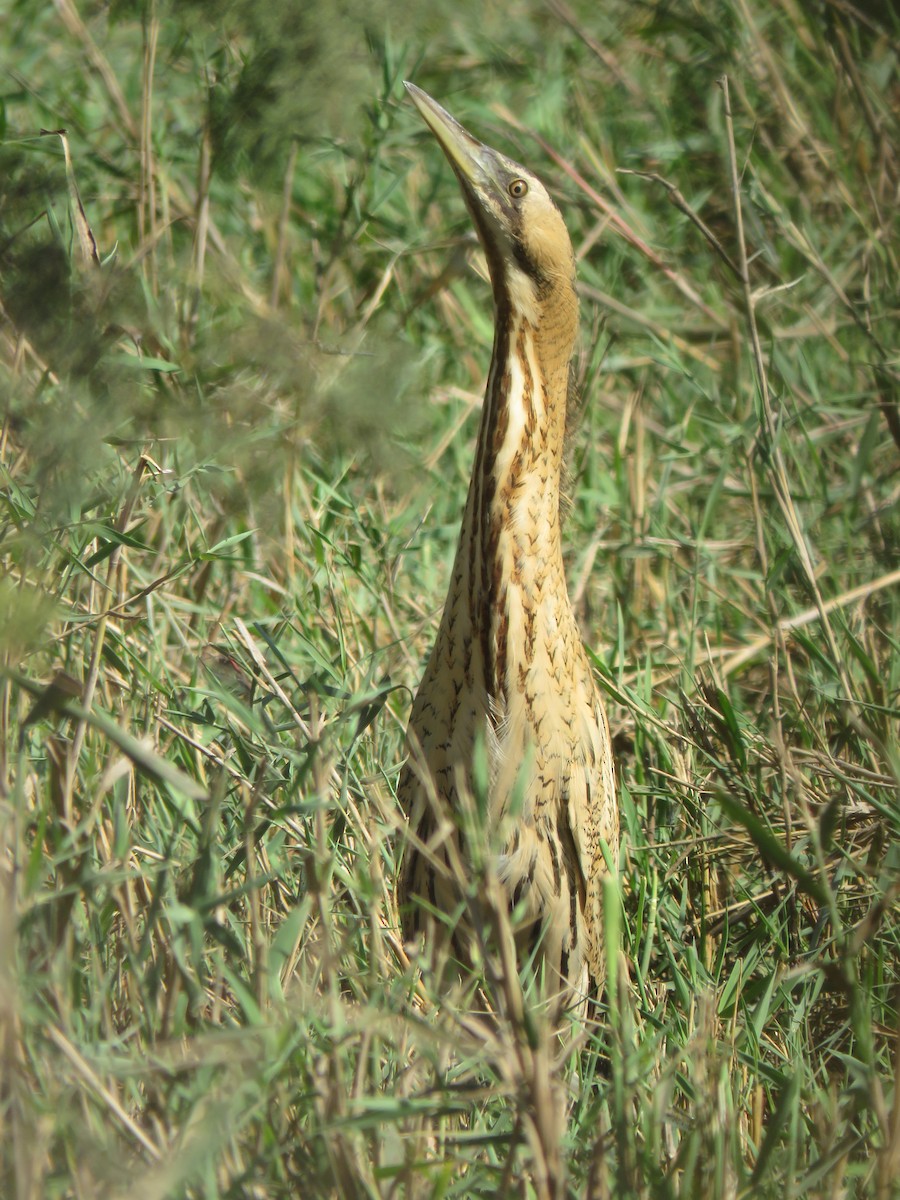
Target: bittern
<point>508,682</point>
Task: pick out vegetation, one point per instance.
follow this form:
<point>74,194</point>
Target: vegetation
<point>242,350</point>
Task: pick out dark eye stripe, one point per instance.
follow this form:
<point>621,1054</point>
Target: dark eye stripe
<point>527,264</point>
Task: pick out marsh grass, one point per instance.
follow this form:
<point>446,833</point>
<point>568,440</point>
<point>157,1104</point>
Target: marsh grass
<point>242,352</point>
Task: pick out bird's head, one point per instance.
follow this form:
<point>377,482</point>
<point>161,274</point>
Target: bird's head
<point>525,240</point>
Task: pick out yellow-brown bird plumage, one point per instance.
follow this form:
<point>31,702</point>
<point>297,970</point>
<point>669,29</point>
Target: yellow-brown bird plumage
<point>508,677</point>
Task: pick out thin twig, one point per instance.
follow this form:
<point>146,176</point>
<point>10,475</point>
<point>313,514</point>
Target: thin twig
<point>806,617</point>
<point>770,430</point>
<point>89,1075</point>
<point>280,274</point>
<point>676,198</point>
<point>71,19</point>
<point>90,685</point>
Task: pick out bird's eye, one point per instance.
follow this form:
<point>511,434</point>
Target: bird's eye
<point>517,189</point>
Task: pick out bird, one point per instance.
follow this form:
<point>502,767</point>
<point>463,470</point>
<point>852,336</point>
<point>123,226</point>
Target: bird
<point>509,774</point>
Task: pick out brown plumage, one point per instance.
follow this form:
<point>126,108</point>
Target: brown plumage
<point>508,705</point>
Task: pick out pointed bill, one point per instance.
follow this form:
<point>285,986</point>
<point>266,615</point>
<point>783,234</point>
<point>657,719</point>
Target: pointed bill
<point>474,163</point>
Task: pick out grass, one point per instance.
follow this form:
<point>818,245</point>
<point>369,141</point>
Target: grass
<point>241,389</point>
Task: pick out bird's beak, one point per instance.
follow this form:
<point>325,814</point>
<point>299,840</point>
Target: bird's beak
<point>474,163</point>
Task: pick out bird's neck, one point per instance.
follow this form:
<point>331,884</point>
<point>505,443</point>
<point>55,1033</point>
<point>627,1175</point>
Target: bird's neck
<point>520,444</point>
<point>511,531</point>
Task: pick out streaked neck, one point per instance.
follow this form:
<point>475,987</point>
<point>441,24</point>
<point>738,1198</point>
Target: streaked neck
<point>511,525</point>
